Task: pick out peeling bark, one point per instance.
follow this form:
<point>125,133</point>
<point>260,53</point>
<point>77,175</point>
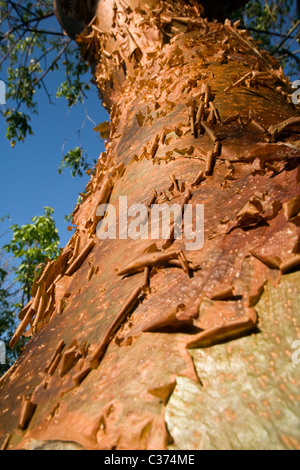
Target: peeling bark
<point>195,104</point>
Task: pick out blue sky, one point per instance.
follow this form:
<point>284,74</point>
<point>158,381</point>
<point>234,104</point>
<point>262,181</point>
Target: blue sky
<point>29,178</point>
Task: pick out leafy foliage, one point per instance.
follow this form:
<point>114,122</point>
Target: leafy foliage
<point>32,45</point>
<point>33,244</point>
<point>76,160</point>
<point>276,25</point>
<point>7,315</point>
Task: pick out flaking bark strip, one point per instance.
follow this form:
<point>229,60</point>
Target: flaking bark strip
<point>146,282</point>
<point>238,82</point>
<point>80,258</point>
<point>154,146</point>
<point>277,129</point>
<point>290,264</point>
<point>148,260</point>
<point>171,236</point>
<point>174,182</point>
<point>61,306</point>
<point>128,308</point>
<point>24,311</point>
<point>231,119</point>
<point>272,262</point>
<point>192,119</point>
<point>57,351</point>
<point>199,113</point>
<point>41,310</point>
<point>76,246</point>
<point>27,411</point>
<point>292,207</point>
<point>37,297</point>
<point>210,161</point>
<point>90,273</point>
<point>45,272</point>
<point>175,263</point>
<point>184,262</point>
<point>69,359</point>
<point>81,376</point>
<point>215,111</point>
<point>199,178</point>
<point>209,132</point>
<point>224,333</point>
<point>54,365</point>
<point>5,444</point>
<point>103,196</point>
<point>224,294</point>
<point>21,328</point>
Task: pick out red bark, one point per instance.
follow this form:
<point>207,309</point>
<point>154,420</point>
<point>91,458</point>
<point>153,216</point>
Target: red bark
<point>196,115</point>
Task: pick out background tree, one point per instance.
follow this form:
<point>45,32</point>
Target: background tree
<point>31,246</point>
<point>147,345</point>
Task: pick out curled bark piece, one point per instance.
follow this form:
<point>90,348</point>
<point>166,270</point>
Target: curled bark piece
<point>76,246</point>
<point>199,113</point>
<point>210,159</point>
<point>184,262</point>
<point>128,308</point>
<point>69,359</point>
<point>292,207</point>
<point>276,130</point>
<point>21,328</point>
<point>41,310</point>
<point>27,411</point>
<point>164,392</point>
<point>273,262</point>
<point>45,272</point>
<point>225,332</point>
<point>154,146</point>
<point>90,273</point>
<point>23,312</point>
<point>102,198</point>
<point>148,260</point>
<point>5,444</point>
<point>224,294</point>
<point>171,319</point>
<point>171,236</point>
<point>146,282</point>
<point>57,351</point>
<point>37,297</point>
<point>79,378</point>
<point>232,118</point>
<point>215,111</point>
<point>209,132</point>
<point>80,258</point>
<point>238,82</point>
<point>54,365</point>
<point>174,182</point>
<point>290,264</point>
<point>199,178</point>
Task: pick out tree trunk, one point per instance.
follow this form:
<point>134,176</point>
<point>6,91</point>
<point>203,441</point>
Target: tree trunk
<point>151,343</point>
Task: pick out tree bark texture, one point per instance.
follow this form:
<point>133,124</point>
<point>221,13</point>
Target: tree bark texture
<point>185,349</point>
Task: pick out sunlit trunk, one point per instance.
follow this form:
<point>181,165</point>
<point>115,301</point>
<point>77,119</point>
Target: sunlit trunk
<point>164,341</point>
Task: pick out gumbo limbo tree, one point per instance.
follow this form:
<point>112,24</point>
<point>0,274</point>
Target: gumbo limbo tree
<point>143,344</point>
